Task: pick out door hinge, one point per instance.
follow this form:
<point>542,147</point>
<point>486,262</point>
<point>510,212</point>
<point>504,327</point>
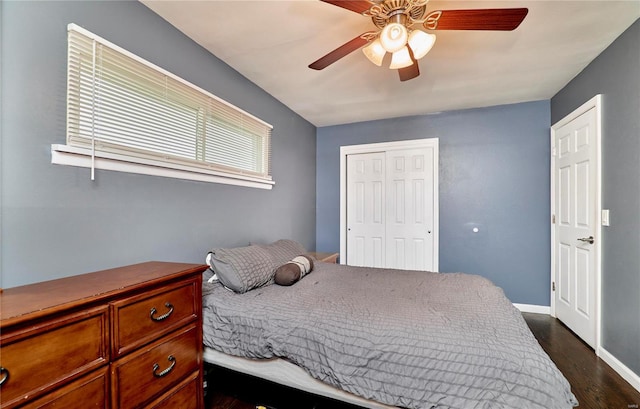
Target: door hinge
<point>553,219</point>
<point>553,286</point>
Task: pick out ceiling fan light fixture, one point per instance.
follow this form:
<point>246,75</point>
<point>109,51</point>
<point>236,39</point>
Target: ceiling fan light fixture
<point>401,59</point>
<point>375,52</point>
<point>421,43</point>
<point>393,37</point>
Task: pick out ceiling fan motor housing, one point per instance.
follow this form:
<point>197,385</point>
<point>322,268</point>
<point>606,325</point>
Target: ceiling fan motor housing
<point>409,11</point>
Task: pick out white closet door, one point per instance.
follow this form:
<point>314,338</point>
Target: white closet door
<point>409,209</point>
<point>365,209</point>
<point>391,210</point>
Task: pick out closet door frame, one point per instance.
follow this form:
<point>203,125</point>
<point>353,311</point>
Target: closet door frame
<point>383,147</point>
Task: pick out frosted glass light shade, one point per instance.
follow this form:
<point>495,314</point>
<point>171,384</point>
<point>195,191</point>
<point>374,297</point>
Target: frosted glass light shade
<point>421,43</point>
<point>374,52</point>
<point>393,37</point>
<point>401,59</point>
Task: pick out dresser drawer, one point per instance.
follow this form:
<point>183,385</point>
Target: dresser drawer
<point>184,396</point>
<point>153,370</point>
<point>141,319</point>
<point>41,357</point>
<point>90,391</point>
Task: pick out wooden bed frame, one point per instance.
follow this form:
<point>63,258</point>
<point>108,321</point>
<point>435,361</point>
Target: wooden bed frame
<point>288,374</point>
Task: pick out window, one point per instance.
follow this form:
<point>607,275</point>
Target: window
<point>124,113</point>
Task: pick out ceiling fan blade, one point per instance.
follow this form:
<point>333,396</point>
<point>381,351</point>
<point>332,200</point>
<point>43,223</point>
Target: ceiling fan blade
<point>480,19</point>
<point>339,53</point>
<point>357,6</point>
<point>410,72</point>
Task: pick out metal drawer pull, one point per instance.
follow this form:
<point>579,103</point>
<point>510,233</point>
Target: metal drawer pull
<point>163,316</point>
<point>5,375</point>
<point>589,239</point>
<point>164,372</point>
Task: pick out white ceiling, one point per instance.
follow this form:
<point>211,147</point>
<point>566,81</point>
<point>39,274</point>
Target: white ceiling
<point>272,42</point>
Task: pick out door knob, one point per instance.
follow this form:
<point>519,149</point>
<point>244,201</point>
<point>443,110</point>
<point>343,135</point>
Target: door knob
<point>589,239</point>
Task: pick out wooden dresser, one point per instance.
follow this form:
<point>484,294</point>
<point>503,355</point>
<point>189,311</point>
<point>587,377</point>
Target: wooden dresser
<point>129,337</point>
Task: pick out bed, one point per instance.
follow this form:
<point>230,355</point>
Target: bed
<point>381,338</point>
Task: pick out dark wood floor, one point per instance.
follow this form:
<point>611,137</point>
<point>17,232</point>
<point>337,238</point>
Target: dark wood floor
<point>594,383</point>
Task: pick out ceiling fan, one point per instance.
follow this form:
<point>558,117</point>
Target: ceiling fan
<point>396,34</point>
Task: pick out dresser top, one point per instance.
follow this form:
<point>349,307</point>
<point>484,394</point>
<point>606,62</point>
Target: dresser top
<point>40,299</point>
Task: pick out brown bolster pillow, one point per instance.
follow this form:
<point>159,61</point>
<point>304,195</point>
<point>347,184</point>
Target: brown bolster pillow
<point>294,270</point>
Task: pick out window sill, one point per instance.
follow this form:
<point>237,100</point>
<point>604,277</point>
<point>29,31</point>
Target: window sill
<point>74,156</point>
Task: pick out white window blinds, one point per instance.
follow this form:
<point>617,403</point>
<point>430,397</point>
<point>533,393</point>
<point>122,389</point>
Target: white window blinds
<point>121,104</point>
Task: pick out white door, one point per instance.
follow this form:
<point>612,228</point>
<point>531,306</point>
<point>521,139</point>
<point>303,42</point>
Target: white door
<point>409,227</point>
<point>391,214</point>
<point>365,210</point>
<point>576,228</point>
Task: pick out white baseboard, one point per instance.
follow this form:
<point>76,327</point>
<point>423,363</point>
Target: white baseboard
<point>538,309</point>
<point>620,368</point>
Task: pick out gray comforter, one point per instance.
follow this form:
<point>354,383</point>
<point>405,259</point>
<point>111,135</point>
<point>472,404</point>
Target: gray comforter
<point>403,338</point>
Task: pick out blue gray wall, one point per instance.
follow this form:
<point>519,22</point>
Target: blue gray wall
<point>56,222</point>
<point>616,75</point>
<point>494,172</point>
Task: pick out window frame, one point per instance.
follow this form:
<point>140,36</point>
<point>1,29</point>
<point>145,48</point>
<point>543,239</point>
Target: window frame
<point>95,154</point>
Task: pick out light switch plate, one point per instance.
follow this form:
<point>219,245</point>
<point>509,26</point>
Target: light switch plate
<point>605,217</point>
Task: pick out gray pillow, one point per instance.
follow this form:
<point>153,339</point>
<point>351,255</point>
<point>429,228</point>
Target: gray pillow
<point>243,268</point>
<point>283,250</point>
